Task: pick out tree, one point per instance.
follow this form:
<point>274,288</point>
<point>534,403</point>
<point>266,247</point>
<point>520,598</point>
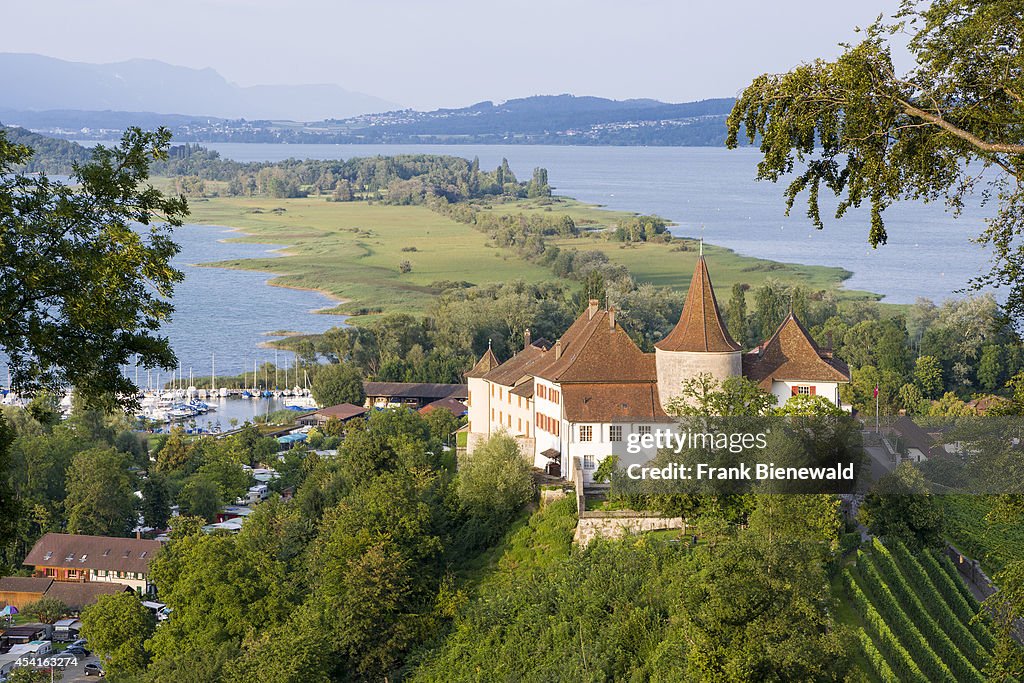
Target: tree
<point>736,396</point>
<point>10,506</point>
<point>200,497</point>
<point>869,134</point>
<point>101,497</point>
<point>737,313</point>
<point>28,674</point>
<point>117,626</point>
<point>443,424</point>
<point>990,367</point>
<point>949,405</point>
<point>928,376</point>
<point>911,399</point>
<point>338,383</point>
<point>495,481</point>
<point>87,272</point>
<point>900,507</point>
<point>174,453</point>
<point>156,502</point>
<point>47,610</point>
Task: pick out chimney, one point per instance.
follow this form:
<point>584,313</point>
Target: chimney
<point>558,349</point>
<point>138,534</point>
<point>592,308</point>
<point>611,318</point>
<point>526,339</point>
<point>828,338</point>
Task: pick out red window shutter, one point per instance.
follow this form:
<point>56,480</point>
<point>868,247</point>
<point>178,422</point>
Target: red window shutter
<point>813,390</point>
<point>795,390</point>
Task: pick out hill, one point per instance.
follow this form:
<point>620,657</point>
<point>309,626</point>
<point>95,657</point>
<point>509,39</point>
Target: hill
<point>34,82</point>
<point>542,119</point>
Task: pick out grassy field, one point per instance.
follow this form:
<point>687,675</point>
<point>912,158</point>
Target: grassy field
<point>352,251</point>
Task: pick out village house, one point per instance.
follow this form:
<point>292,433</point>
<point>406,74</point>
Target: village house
<point>343,412</point>
<point>413,395</point>
<point>20,591</point>
<point>583,396</point>
<point>71,558</point>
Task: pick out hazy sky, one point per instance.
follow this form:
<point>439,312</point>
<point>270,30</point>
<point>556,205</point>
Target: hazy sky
<point>428,54</point>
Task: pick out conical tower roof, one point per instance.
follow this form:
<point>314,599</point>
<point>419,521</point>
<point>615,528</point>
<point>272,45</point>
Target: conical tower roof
<point>487,362</point>
<point>700,327</point>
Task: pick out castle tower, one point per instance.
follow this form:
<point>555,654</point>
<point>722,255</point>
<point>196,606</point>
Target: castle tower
<point>699,343</point>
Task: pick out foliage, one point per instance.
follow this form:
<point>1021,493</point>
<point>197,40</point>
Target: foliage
<point>224,587</point>
<point>705,395</point>
<point>116,627</point>
<point>494,483</point>
<point>47,610</point>
<point>900,508</point>
<point>156,502</point>
<point>868,134</point>
<point>100,498</point>
<point>87,267</point>
<point>201,497</point>
<point>338,383</point>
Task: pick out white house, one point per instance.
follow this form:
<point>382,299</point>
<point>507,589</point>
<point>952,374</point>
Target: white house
<point>585,394</point>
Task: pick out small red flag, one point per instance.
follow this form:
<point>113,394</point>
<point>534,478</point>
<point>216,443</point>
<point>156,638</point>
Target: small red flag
<point>876,391</point>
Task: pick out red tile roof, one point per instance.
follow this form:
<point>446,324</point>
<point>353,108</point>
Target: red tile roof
<point>612,402</point>
<point>595,348</point>
<point>79,595</point>
<point>524,389</point>
<point>24,584</point>
<point>74,551</point>
<point>342,411</point>
<point>524,364</point>
<point>457,408</point>
<point>487,362</point>
<point>700,326</point>
<point>791,354</point>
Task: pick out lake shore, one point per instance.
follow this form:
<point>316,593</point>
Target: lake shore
<point>352,252</point>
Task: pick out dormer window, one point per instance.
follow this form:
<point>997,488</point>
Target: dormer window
<point>48,555</point>
<point>70,558</point>
<point>106,552</point>
<point>82,558</point>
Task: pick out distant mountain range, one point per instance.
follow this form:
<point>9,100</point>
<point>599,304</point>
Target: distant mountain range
<point>35,82</point>
<point>98,101</point>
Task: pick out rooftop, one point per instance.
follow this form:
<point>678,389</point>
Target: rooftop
<point>791,354</point>
<point>74,551</point>
<point>700,327</point>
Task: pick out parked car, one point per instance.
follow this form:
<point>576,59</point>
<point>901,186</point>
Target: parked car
<point>94,670</point>
<point>81,642</point>
<point>78,651</point>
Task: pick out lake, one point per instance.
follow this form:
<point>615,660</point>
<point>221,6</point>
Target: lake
<point>230,313</point>
<point>706,191</point>
<point>711,191</point>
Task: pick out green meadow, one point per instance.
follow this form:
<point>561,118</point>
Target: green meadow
<point>352,251</point>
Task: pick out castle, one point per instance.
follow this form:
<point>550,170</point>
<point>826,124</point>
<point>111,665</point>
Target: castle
<point>583,396</point>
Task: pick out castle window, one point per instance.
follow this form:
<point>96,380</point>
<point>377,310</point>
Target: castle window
<point>803,391</point>
<point>615,433</point>
<point>586,433</point>
<point>643,429</point>
<point>588,462</point>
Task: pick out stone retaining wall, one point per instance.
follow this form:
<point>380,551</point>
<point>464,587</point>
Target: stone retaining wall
<point>620,523</point>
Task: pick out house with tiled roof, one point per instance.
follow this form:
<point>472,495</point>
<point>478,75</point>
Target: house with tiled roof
<point>581,398</point>
<point>80,558</point>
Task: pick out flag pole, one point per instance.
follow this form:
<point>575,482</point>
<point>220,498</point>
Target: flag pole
<point>876,409</point>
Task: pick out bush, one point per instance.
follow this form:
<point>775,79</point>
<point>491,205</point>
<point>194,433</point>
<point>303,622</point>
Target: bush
<point>495,483</point>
